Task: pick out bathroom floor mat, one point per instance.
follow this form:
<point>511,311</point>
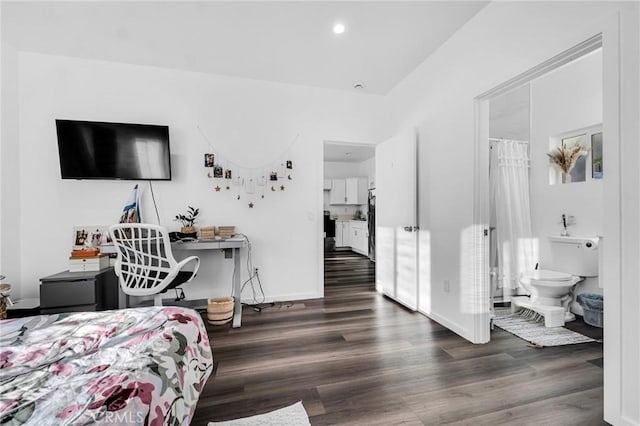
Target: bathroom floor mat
<point>535,332</point>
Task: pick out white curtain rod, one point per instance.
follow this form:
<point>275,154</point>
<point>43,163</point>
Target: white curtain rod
<point>506,140</point>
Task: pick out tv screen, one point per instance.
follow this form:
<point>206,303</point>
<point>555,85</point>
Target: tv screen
<point>96,150</point>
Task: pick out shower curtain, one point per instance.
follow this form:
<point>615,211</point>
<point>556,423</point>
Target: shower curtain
<point>511,212</point>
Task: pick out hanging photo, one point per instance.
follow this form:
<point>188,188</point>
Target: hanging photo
<point>273,176</point>
<point>227,174</point>
<point>250,186</point>
<point>209,160</point>
<point>262,180</point>
<point>217,172</point>
<point>289,164</point>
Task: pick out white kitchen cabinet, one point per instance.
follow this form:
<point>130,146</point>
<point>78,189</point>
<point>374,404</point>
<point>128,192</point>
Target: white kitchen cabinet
<point>359,238</point>
<point>349,191</point>
<point>356,190</point>
<point>338,194</point>
<point>343,233</point>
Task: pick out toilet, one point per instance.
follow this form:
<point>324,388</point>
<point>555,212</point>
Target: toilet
<point>551,290</point>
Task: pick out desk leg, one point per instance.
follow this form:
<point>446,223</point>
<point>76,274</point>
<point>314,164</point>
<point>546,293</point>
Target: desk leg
<point>237,308</point>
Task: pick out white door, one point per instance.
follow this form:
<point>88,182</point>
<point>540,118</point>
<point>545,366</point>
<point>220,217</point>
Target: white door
<point>397,219</point>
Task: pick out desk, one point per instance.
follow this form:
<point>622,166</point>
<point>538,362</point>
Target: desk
<point>232,244</point>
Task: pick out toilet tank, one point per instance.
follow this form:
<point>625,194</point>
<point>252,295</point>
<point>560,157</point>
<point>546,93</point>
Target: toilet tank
<point>575,255</point>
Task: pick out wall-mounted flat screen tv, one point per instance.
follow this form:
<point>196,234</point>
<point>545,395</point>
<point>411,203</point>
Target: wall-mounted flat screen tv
<point>97,150</point>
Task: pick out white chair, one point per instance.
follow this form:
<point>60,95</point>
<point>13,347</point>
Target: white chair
<point>145,264</point>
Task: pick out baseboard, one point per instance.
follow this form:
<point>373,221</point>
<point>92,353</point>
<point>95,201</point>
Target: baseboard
<point>284,298</point>
<point>456,328</point>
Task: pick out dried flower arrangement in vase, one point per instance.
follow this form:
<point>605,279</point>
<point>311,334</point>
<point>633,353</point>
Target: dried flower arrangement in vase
<point>565,158</point>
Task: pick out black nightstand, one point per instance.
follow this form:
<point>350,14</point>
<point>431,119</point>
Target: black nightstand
<point>79,292</point>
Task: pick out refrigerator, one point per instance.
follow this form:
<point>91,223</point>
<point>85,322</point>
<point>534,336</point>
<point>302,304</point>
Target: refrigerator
<point>371,224</point>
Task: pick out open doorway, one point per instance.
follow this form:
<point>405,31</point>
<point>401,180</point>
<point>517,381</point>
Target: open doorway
<point>349,215</point>
<point>545,215</point>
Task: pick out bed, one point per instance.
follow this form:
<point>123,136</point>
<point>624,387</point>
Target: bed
<point>131,366</point>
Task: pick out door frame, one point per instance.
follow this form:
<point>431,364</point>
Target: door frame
<point>325,142</point>
<point>606,35</point>
<point>481,211</point>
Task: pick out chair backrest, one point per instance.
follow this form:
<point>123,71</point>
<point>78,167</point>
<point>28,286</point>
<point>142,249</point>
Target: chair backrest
<point>145,262</point>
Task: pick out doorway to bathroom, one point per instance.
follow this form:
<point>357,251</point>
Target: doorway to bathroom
<point>524,197</point>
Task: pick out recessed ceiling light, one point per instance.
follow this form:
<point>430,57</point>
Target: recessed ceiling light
<point>338,28</point>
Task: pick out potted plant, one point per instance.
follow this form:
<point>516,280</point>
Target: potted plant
<point>188,220</point>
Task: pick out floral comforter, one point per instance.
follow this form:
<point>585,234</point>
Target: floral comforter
<point>131,366</point>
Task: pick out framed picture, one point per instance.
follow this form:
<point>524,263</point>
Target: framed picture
<point>217,171</point>
<point>90,236</point>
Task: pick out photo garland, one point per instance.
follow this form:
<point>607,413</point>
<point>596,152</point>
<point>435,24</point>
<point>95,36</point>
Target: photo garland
<point>248,184</point>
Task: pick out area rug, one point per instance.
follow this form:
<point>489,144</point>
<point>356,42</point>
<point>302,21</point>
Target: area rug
<point>293,415</point>
<point>535,332</point>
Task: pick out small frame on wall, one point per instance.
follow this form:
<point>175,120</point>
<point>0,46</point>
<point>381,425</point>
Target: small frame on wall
<point>92,236</point>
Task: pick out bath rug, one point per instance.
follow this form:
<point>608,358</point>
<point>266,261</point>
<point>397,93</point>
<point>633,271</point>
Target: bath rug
<point>293,415</point>
<point>535,332</point>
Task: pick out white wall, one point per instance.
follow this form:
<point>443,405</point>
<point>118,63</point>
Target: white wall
<point>501,41</point>
<point>567,99</point>
<point>249,121</point>
<point>10,218</point>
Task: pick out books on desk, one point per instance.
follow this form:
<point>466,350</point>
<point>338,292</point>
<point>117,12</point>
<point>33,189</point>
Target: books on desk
<point>226,232</point>
<point>207,233</point>
<point>85,253</point>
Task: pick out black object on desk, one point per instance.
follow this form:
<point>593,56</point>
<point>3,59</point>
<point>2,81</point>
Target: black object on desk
<point>79,291</point>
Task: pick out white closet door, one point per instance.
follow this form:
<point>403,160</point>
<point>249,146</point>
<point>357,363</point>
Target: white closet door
<point>396,219</point>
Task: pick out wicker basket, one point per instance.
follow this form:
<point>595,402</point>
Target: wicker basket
<point>220,310</point>
<point>5,290</point>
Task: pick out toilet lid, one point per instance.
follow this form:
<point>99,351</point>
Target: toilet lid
<point>547,275</point>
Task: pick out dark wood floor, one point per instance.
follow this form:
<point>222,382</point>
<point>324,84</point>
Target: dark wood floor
<point>358,358</point>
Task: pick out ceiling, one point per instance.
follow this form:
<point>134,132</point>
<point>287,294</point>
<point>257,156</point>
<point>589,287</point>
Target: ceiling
<point>289,42</point>
<point>348,153</point>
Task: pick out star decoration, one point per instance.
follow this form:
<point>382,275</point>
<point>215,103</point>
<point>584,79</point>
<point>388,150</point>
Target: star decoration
<point>262,196</point>
<point>281,187</point>
<point>228,187</point>
<point>217,188</point>
<point>250,205</point>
